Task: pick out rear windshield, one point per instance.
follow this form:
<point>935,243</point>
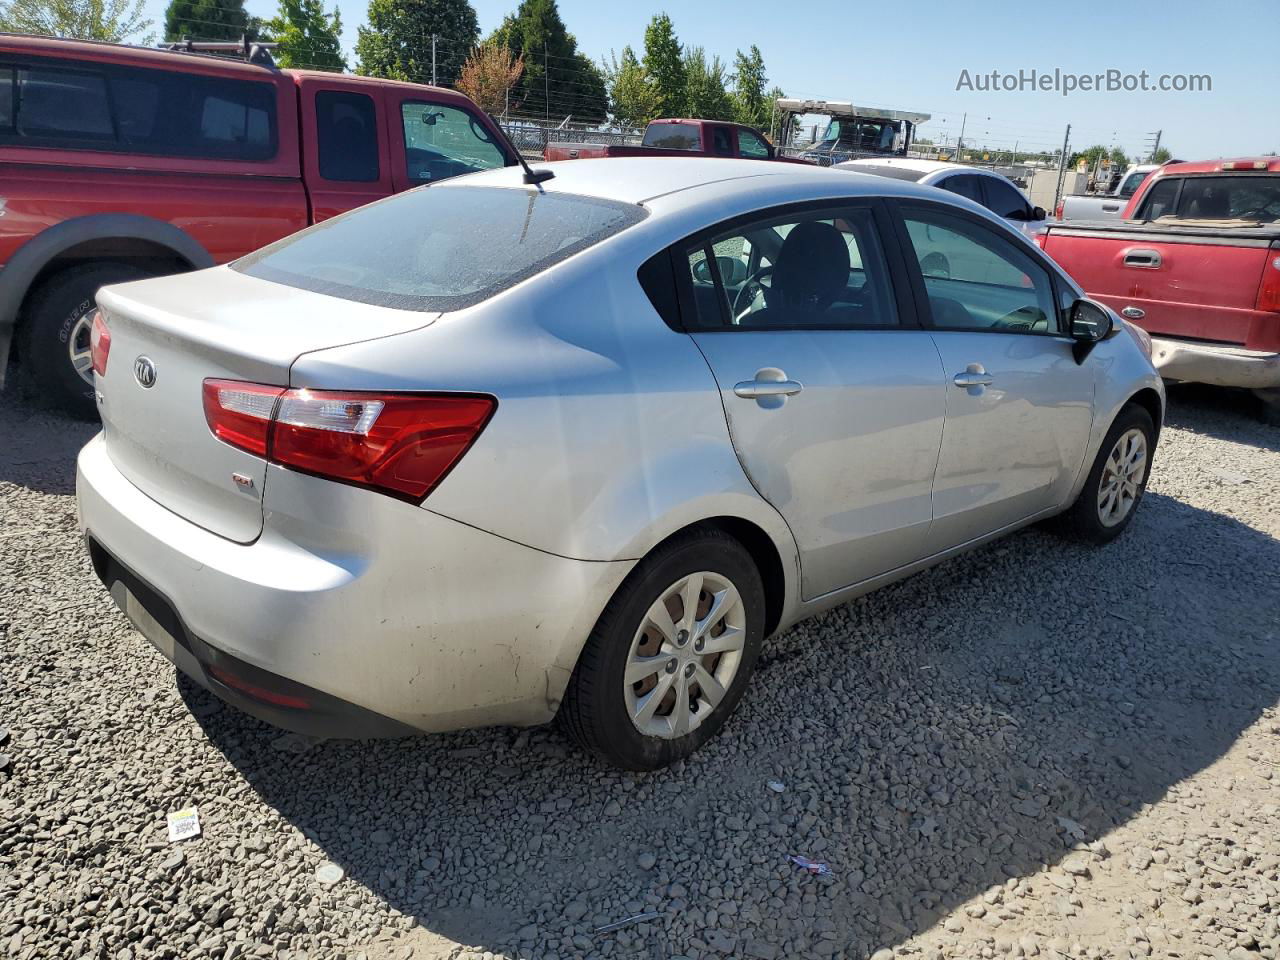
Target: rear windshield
<point>440,248</point>
<point>673,136</point>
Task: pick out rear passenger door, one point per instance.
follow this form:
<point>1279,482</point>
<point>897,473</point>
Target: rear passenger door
<point>833,396</point>
<point>345,153</point>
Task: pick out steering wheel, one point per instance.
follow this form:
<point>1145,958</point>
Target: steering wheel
<point>936,264</point>
<point>756,288</point>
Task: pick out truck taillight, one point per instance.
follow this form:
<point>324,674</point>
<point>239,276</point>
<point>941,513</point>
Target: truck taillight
<point>99,344</point>
<point>1269,288</point>
<point>402,444</point>
<point>1057,211</point>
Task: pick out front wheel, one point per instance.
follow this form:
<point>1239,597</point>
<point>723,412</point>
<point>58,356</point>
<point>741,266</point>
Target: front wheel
<point>671,655</point>
<point>1117,481</point>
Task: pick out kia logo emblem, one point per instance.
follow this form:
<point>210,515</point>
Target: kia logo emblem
<point>144,371</point>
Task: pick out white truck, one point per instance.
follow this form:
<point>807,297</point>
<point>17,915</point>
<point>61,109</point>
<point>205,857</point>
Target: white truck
<point>1105,206</point>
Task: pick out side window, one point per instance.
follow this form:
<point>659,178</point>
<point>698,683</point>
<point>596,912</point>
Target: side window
<point>750,145</point>
<point>441,142</point>
<point>818,269</point>
<point>721,142</point>
<point>977,280</point>
<point>1132,183</point>
<point>63,103</point>
<point>964,185</point>
<point>346,136</point>
<point>1160,199</point>
<point>6,100</point>
<point>1004,200</point>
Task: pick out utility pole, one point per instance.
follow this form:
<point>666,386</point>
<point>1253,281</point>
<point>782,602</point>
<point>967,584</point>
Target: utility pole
<point>1152,157</point>
<point>960,141</point>
<point>1062,166</point>
<point>1015,153</point>
<point>433,59</point>
<point>546,81</point>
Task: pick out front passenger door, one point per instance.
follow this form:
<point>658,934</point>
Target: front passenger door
<point>1019,407</point>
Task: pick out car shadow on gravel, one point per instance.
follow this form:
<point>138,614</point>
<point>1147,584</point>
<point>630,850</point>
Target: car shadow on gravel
<point>935,739</point>
<point>1220,412</point>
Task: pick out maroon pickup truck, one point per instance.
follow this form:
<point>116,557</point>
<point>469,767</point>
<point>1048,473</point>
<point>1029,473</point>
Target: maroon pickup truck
<point>1197,265</point>
<point>680,138</point>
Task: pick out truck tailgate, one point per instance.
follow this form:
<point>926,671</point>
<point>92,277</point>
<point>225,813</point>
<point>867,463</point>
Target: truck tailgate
<point>1200,287</point>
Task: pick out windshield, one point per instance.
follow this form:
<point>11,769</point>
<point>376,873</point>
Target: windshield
<point>440,248</point>
<point>855,133</point>
<point>1132,182</point>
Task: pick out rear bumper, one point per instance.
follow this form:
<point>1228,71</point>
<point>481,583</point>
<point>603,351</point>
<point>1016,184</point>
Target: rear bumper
<point>403,621</point>
<point>1220,366</point>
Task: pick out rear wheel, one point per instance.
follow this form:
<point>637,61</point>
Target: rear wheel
<point>55,344</point>
<point>671,655</point>
<point>1117,480</point>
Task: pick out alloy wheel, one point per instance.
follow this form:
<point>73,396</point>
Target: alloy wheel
<point>80,347</point>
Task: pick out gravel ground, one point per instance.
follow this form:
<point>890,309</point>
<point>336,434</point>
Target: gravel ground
<point>1038,749</point>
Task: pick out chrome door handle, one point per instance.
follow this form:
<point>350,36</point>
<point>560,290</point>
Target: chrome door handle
<point>769,389</point>
<point>973,376</point>
<point>754,389</point>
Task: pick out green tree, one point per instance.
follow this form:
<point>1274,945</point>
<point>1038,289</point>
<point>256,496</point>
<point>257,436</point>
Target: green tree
<point>308,36</point>
<point>112,20</point>
<point>705,95</point>
<point>1118,158</point>
<point>633,99</point>
<point>397,42</point>
<point>558,80</point>
<point>775,129</point>
<point>1161,156</point>
<point>1091,155</point>
<point>749,79</point>
<point>664,65</point>
<point>208,20</point>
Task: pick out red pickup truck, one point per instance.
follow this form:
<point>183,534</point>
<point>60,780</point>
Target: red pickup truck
<point>120,162</point>
<point>1196,263</point>
<point>680,138</point>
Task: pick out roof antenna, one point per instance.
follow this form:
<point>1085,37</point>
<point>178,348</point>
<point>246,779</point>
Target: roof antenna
<point>531,176</point>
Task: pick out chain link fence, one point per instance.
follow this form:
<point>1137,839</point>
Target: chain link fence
<point>532,136</point>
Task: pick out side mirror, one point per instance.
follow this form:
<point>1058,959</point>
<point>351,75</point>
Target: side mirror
<point>1039,213</point>
<point>1090,323</point>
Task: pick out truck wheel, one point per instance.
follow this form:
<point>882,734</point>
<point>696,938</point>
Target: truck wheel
<point>1116,482</point>
<point>55,336</point>
<point>670,656</point>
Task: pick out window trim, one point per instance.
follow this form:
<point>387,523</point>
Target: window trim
<point>898,208</point>
<point>881,222</point>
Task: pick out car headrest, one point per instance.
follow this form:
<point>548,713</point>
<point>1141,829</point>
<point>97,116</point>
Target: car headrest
<point>812,268</point>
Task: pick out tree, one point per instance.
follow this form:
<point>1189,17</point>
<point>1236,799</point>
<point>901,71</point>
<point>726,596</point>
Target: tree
<point>1161,156</point>
<point>1118,158</point>
<point>489,75</point>
<point>664,65</point>
<point>558,80</point>
<point>1092,155</point>
<point>749,105</point>
<point>776,130</point>
<point>705,95</point>
<point>208,20</point>
<point>112,20</point>
<point>397,42</point>
<point>308,36</point>
<point>633,99</point>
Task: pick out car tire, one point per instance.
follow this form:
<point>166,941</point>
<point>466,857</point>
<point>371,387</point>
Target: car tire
<point>1116,482</point>
<point>55,329</point>
<point>600,704</point>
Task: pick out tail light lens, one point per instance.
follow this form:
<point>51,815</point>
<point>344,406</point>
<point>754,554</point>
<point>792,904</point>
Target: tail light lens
<point>240,413</point>
<point>99,344</point>
<point>402,444</point>
<point>1057,211</point>
<point>1269,288</point>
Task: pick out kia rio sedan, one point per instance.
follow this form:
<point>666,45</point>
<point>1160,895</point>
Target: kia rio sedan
<point>492,453</point>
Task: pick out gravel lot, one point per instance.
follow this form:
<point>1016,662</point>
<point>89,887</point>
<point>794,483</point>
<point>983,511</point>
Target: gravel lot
<point>1038,749</point>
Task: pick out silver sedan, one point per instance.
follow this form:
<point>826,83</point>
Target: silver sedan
<point>492,453</point>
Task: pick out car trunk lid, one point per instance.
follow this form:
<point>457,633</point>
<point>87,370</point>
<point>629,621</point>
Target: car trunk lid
<point>176,332</point>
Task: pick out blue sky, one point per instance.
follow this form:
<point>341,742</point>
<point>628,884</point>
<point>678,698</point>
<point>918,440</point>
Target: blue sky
<point>910,56</point>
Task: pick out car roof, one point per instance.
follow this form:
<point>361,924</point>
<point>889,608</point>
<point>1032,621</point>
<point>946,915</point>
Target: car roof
<point>1224,165</point>
<point>101,51</point>
<point>910,163</point>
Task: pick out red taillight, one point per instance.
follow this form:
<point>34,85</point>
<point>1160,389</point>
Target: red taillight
<point>99,344</point>
<point>402,444</point>
<point>1057,211</point>
<point>240,413</point>
<point>229,679</point>
<point>1269,288</point>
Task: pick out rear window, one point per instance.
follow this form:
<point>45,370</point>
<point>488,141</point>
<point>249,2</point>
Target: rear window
<point>440,248</point>
<point>133,110</point>
<point>673,136</point>
<point>885,170</point>
<point>1243,197</point>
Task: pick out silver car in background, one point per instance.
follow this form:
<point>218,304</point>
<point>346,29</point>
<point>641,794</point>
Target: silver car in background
<point>489,453</point>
